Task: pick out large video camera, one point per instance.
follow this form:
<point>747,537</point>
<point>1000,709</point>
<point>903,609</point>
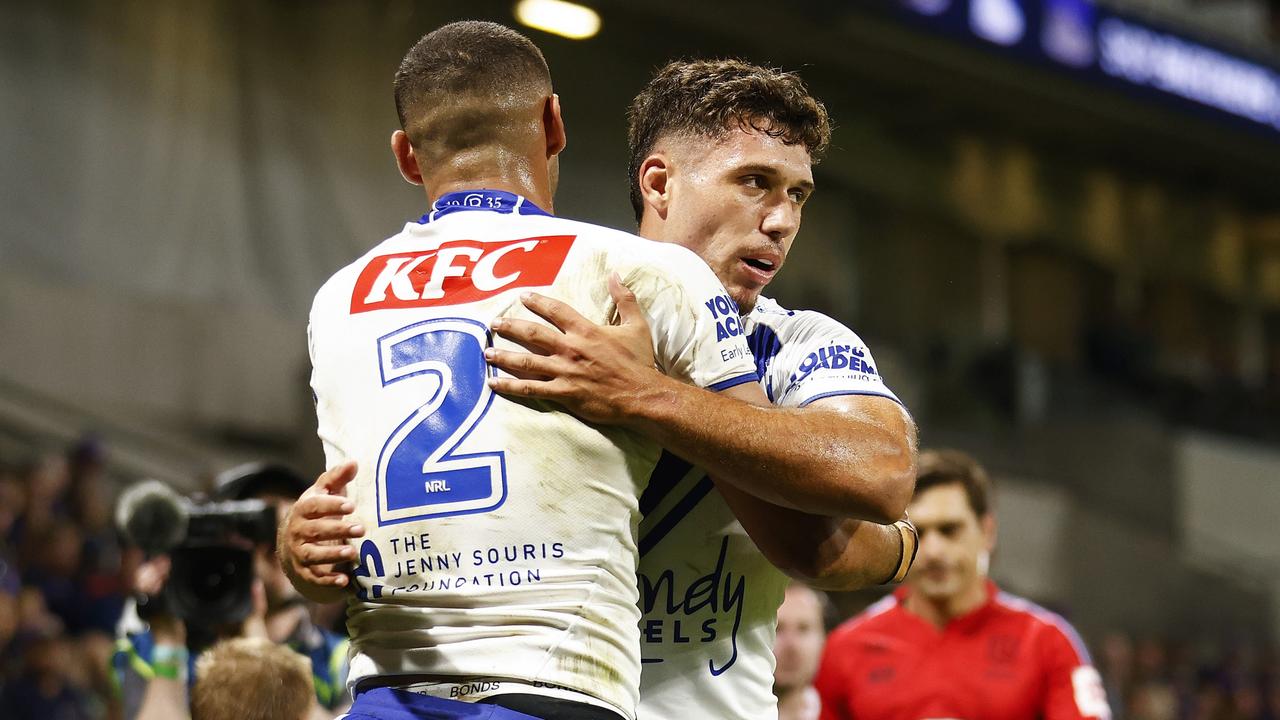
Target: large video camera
<point>210,545</point>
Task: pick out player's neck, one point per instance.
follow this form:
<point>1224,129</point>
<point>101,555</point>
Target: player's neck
<point>507,171</point>
<point>535,195</point>
<point>940,611</point>
<point>796,702</point>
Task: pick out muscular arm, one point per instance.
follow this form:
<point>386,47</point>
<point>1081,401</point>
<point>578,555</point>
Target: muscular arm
<point>839,460</point>
<point>851,457</point>
<point>825,552</point>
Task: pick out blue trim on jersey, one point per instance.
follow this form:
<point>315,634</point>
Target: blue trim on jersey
<point>499,201</point>
<point>1045,615</point>
<point>734,382</point>
<point>668,473</point>
<point>835,393</point>
<point>392,704</point>
<point>765,346</point>
<point>678,513</point>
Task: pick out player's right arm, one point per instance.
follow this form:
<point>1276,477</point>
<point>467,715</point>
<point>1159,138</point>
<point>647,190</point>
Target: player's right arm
<point>828,553</point>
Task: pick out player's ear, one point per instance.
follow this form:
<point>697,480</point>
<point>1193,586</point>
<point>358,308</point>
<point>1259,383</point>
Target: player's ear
<point>655,188</point>
<point>553,123</point>
<point>405,158</point>
<point>989,531</point>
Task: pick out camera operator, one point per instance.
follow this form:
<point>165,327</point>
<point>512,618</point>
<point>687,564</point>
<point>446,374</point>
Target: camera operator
<point>154,656</point>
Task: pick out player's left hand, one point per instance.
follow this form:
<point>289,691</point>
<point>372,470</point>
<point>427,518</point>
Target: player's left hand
<point>598,372</point>
<point>313,542</point>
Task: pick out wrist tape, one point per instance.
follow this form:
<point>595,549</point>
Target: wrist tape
<point>170,662</point>
<point>910,544</point>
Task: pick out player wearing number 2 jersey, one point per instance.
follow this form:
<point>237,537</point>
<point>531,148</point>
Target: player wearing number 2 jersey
<point>498,555</point>
<point>500,542</point>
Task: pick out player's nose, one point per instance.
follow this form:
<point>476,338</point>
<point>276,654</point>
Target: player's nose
<point>781,220</point>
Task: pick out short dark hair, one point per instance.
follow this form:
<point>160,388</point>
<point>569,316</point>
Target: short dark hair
<point>710,98</point>
<point>953,467</point>
<point>467,58</point>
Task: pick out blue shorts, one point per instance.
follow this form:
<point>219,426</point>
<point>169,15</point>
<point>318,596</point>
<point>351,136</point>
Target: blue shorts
<point>392,704</point>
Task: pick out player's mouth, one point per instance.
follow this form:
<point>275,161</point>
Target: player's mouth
<point>761,268</point>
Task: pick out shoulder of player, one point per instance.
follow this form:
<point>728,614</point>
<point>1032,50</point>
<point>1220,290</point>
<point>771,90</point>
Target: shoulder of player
<point>1049,626</point>
<point>338,287</point>
<point>622,247</point>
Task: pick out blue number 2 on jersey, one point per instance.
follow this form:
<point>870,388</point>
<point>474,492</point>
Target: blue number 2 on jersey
<point>419,475</point>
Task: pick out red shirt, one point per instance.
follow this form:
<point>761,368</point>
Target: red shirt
<point>1007,660</point>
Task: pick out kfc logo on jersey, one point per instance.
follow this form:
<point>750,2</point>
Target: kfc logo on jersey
<point>458,272</point>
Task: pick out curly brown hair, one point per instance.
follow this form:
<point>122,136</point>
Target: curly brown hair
<point>710,98</point>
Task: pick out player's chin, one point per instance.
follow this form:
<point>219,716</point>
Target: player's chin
<point>745,297</point>
<point>934,586</point>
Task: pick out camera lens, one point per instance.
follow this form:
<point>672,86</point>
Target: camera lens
<point>211,585</point>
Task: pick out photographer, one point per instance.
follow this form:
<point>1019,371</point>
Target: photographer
<point>154,655</point>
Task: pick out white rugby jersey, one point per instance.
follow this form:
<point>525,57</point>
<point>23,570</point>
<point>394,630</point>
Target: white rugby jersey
<point>500,534</point>
<point>709,597</point>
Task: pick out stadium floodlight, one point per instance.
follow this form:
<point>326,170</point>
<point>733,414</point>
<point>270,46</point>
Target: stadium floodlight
<point>571,20</point>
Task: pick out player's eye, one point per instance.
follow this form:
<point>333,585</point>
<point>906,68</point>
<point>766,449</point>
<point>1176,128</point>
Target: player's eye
<point>755,181</point>
<point>799,196</point>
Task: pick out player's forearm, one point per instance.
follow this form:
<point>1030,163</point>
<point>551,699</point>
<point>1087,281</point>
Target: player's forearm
<point>824,552</point>
<point>822,462</point>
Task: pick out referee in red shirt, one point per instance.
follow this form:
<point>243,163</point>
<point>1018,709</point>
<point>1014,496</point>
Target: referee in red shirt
<point>949,644</point>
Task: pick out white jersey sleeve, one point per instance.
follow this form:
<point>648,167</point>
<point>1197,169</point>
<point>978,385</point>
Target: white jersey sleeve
<point>803,356</point>
<point>709,598</point>
<point>697,334</point>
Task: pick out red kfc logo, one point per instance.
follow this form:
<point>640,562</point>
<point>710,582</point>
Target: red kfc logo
<point>458,272</point>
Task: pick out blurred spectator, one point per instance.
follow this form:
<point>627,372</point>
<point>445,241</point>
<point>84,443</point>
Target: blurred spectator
<point>949,643</point>
<point>796,649</point>
<point>101,567</point>
<point>46,688</point>
<point>1116,666</point>
<point>251,679</point>
<point>288,617</point>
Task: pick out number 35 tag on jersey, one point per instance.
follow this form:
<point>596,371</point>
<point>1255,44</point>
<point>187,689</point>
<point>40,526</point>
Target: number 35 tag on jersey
<point>461,271</point>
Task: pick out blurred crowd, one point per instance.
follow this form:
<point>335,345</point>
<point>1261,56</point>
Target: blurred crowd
<point>64,577</point>
<point>72,645</point>
<point>1191,678</point>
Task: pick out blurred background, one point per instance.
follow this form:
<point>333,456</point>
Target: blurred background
<point>1056,223</point>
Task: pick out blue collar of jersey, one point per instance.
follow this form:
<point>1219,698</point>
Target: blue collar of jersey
<point>499,201</point>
